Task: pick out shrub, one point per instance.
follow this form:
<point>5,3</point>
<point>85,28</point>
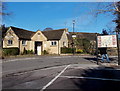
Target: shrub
<point>10,51</point>
<point>79,51</point>
<point>84,44</point>
<point>45,52</point>
<point>27,52</point>
<point>67,50</point>
<point>30,52</point>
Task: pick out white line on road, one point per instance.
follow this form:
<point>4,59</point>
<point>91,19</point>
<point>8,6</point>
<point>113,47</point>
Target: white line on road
<point>93,78</point>
<point>54,78</point>
<point>71,56</point>
<point>53,67</point>
<point>22,59</point>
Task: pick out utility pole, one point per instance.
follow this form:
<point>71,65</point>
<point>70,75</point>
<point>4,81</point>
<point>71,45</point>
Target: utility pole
<point>118,47</point>
<point>97,49</point>
<point>73,26</point>
<point>73,36</point>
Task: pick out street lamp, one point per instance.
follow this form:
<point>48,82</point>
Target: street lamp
<point>73,25</point>
<point>73,36</point>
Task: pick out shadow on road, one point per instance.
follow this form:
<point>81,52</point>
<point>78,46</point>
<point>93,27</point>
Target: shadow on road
<point>99,79</point>
<point>94,60</point>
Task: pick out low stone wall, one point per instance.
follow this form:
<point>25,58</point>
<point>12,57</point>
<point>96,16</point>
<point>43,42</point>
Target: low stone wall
<point>112,51</point>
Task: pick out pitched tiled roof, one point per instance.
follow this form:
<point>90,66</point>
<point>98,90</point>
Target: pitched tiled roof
<point>89,36</point>
<point>22,33</point>
<point>53,34</point>
<point>50,35</point>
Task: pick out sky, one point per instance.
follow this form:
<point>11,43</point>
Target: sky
<point>59,0</point>
<point>35,16</point>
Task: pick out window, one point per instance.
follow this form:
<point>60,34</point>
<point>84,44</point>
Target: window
<point>53,43</point>
<point>64,44</point>
<point>10,42</point>
<point>38,33</point>
<point>24,42</point>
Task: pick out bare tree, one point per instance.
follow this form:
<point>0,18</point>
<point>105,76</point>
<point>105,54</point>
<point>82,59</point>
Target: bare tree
<point>117,13</point>
<point>3,9</point>
<point>3,13</point>
<point>114,9</point>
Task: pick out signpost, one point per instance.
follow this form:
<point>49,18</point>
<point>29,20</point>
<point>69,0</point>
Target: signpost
<point>118,46</point>
<point>106,41</point>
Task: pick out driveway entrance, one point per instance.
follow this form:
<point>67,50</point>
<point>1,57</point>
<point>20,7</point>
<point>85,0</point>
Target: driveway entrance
<point>38,48</point>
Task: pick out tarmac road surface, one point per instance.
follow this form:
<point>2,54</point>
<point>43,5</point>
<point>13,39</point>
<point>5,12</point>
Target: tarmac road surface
<point>81,77</point>
<point>60,72</point>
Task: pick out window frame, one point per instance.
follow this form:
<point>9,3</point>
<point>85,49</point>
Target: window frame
<point>64,43</point>
<point>24,42</point>
<point>53,43</point>
<point>10,42</point>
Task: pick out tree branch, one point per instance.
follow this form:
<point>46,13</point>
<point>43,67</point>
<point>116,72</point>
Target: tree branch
<point>115,6</point>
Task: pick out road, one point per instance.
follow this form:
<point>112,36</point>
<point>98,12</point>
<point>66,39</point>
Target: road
<point>92,79</point>
<point>60,72</point>
<point>22,64</point>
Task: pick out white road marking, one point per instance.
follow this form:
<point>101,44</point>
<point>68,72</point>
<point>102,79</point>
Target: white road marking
<point>93,78</point>
<point>54,78</point>
<point>53,67</point>
<point>64,56</point>
<point>70,56</point>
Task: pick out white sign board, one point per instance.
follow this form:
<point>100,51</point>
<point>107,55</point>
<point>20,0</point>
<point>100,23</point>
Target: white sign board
<point>74,36</point>
<point>107,41</point>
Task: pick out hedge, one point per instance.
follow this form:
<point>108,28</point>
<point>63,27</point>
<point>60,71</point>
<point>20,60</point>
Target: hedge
<point>79,51</point>
<point>10,51</point>
<point>67,50</point>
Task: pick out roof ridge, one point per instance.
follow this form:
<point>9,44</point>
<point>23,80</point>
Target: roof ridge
<point>54,30</point>
<point>22,29</point>
<point>83,32</point>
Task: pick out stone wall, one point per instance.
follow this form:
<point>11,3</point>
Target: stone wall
<point>112,51</point>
